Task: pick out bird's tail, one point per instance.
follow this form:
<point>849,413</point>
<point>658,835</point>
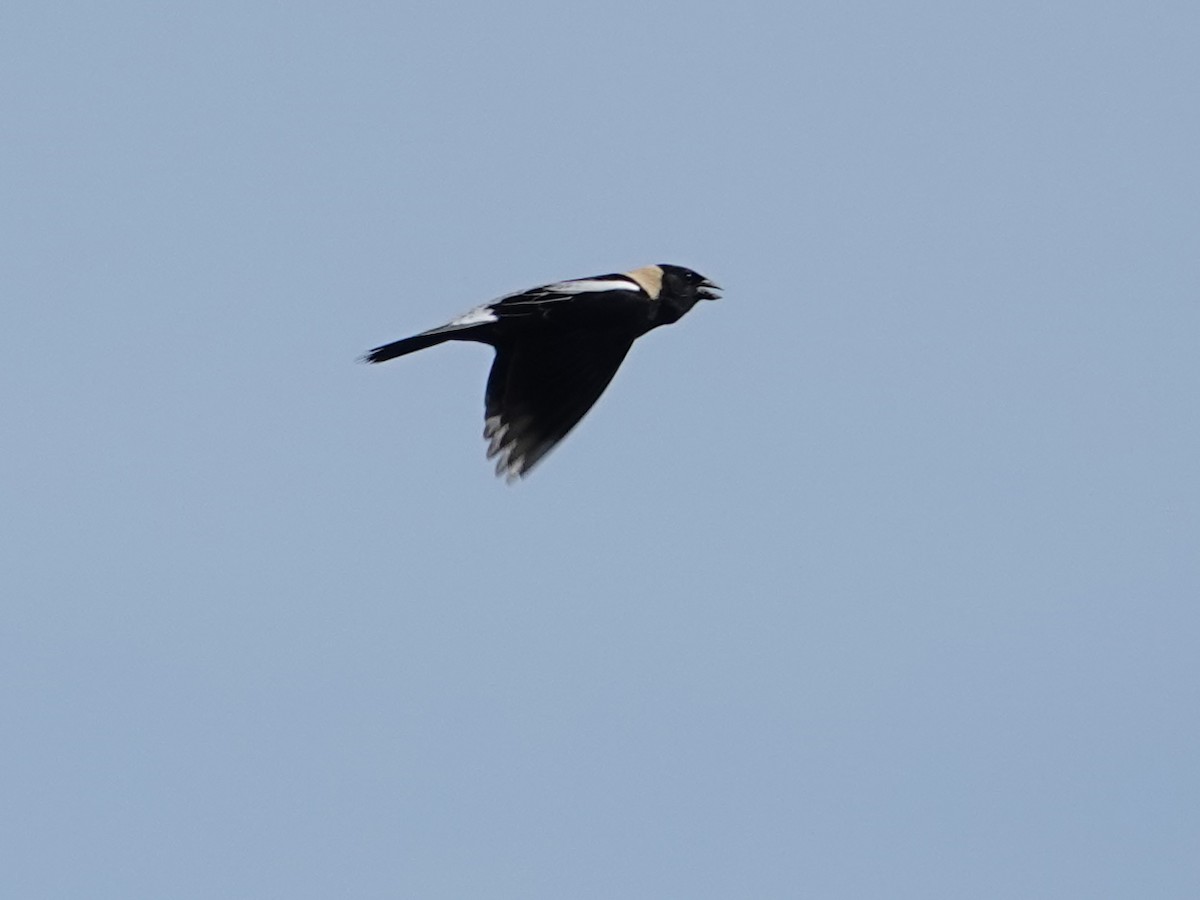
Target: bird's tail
<point>407,345</point>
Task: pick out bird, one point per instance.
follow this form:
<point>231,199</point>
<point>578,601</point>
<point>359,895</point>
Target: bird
<point>557,348</point>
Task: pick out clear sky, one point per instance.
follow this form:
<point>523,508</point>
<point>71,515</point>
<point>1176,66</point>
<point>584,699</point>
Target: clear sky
<point>878,578</point>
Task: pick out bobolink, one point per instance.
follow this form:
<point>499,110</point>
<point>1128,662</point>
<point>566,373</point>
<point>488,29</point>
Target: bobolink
<point>557,348</point>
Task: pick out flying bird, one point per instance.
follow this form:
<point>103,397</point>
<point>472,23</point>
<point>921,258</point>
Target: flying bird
<point>557,348</point>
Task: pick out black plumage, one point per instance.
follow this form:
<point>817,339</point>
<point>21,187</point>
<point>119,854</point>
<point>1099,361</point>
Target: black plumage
<point>557,348</point>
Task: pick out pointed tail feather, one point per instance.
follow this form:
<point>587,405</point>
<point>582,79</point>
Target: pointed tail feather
<point>407,345</point>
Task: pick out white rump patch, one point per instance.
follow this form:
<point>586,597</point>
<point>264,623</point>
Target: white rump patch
<point>478,316</point>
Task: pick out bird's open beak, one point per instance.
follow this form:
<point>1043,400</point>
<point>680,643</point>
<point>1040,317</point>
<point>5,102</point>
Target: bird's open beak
<point>708,290</point>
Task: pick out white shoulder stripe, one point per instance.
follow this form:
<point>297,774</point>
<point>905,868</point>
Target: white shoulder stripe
<point>588,285</point>
<point>477,316</point>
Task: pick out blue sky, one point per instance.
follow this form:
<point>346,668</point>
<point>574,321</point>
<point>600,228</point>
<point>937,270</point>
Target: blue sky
<point>877,578</point>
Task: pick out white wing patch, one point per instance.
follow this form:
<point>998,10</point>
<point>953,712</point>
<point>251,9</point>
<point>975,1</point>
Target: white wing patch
<point>477,316</point>
<point>589,285</point>
<point>562,290</point>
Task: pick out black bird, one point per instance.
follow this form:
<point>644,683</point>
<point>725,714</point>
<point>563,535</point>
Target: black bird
<point>557,348</point>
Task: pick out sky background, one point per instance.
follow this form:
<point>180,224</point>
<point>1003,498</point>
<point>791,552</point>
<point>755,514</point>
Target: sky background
<point>878,578</point>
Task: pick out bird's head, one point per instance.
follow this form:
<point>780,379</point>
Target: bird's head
<point>681,290</point>
<point>686,285</point>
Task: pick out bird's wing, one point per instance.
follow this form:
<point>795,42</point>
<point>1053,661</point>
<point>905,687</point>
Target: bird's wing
<point>475,324</point>
<point>538,390</point>
<point>526,302</point>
